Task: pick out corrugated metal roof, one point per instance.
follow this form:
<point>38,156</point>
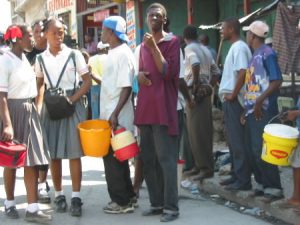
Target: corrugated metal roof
<point>246,19</point>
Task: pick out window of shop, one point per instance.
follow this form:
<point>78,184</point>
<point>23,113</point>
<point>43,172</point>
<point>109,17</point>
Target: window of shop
<point>66,17</point>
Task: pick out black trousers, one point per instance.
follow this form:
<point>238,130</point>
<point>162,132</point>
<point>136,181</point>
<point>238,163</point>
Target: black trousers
<point>118,180</point>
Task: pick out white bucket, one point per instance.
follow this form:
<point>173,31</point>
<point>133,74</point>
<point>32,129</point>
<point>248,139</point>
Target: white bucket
<point>282,131</point>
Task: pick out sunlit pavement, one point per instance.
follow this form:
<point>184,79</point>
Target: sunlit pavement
<point>95,197</point>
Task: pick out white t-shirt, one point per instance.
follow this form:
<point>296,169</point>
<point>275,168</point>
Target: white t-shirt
<point>237,58</point>
<point>197,54</point>
<point>181,101</point>
<point>136,54</point>
<point>54,66</point>
<point>118,73</point>
<point>17,77</point>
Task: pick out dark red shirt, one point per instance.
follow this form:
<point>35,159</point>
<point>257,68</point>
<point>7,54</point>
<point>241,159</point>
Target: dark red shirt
<point>157,104</point>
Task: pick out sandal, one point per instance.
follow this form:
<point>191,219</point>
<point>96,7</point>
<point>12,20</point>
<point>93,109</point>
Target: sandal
<point>268,198</point>
<point>287,205</point>
<point>297,210</point>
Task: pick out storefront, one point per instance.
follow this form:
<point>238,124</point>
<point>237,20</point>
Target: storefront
<point>90,15</point>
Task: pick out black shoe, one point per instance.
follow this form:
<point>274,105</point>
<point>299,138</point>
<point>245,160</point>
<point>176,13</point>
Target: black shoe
<point>60,204</point>
<point>167,217</point>
<point>268,198</point>
<point>152,212</point>
<point>191,172</point>
<point>258,193</point>
<point>75,208</point>
<point>11,212</point>
<point>43,195</point>
<point>134,202</point>
<point>237,186</point>
<point>228,181</point>
<point>47,187</point>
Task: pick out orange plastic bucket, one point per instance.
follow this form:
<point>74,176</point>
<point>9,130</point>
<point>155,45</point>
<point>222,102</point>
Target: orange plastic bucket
<point>95,137</point>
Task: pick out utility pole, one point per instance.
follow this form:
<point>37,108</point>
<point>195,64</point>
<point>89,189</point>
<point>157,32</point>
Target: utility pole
<point>190,11</point>
<point>246,7</point>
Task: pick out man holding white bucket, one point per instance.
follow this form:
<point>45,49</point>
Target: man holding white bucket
<point>262,82</point>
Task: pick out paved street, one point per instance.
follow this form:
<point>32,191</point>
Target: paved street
<point>95,197</point>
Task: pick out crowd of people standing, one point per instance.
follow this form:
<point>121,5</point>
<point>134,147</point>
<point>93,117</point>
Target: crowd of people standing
<point>173,90</point>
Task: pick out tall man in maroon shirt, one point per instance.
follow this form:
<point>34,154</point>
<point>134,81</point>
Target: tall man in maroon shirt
<point>156,114</point>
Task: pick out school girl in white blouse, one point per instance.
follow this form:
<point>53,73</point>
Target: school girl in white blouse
<point>62,135</point>
<point>20,120</point>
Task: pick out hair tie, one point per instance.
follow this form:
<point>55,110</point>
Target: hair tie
<point>12,33</point>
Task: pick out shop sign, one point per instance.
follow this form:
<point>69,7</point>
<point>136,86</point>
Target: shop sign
<point>101,15</point>
<point>130,19</point>
<point>54,5</point>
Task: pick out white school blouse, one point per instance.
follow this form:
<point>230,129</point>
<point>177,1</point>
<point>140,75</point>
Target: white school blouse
<point>54,66</point>
<point>17,77</point>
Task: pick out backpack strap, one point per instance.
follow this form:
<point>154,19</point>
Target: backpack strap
<point>43,67</point>
<point>74,61</point>
<point>71,56</point>
<point>42,64</point>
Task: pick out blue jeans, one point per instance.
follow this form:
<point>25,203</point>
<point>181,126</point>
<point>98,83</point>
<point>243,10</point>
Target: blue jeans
<point>95,101</point>
<point>265,174</point>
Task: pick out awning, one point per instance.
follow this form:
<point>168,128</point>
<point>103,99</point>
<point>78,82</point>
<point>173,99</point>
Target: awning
<point>246,19</point>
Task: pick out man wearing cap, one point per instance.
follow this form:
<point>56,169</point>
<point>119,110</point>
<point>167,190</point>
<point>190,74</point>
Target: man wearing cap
<point>156,114</point>
<point>117,108</point>
<point>262,82</point>
<point>96,64</point>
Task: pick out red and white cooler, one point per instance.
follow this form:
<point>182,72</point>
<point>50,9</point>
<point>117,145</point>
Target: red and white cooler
<point>124,144</point>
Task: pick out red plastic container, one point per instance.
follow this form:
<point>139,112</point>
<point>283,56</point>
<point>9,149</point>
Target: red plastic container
<point>124,145</point>
<point>127,152</point>
<point>12,154</point>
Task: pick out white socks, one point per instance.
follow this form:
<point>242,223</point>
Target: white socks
<point>75,194</point>
<point>42,186</point>
<point>33,207</point>
<point>58,193</point>
<point>9,203</point>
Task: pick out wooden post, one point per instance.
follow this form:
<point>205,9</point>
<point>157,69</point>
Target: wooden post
<point>246,7</point>
<point>190,11</point>
<point>141,20</point>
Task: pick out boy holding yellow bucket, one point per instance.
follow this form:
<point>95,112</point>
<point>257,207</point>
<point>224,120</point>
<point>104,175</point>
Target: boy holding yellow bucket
<point>262,82</point>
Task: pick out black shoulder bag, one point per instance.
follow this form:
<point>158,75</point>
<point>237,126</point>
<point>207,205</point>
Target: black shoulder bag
<point>55,98</point>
